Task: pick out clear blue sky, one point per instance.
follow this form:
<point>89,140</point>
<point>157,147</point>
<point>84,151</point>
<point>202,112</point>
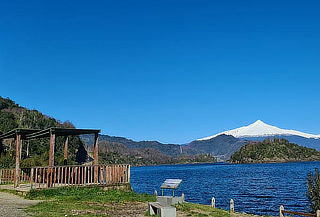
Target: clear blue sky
<point>165,70</point>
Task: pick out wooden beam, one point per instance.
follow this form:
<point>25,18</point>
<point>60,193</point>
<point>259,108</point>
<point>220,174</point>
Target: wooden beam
<point>21,144</point>
<point>96,159</point>
<point>17,170</point>
<point>65,154</point>
<point>52,146</point>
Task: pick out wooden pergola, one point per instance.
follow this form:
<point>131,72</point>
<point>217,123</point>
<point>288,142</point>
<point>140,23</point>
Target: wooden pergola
<point>27,134</point>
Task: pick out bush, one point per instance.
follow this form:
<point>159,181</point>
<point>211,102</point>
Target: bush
<point>313,193</point>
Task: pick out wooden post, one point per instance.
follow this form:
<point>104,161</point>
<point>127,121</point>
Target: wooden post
<point>231,206</point>
<point>28,149</point>
<point>129,173</point>
<point>0,175</point>
<point>52,146</point>
<point>95,150</point>
<point>65,155</point>
<point>17,170</point>
<point>280,211</point>
<point>213,202</point>
<point>51,158</point>
<point>95,156</point>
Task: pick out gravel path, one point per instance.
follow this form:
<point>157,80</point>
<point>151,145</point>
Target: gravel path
<point>12,205</point>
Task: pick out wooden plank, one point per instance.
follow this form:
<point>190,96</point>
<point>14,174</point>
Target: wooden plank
<point>75,175</point>
<point>58,179</point>
<point>298,213</point>
<point>65,151</point>
<point>128,173</point>
<point>107,174</point>
<point>63,180</point>
<point>72,175</point>
<point>36,177</point>
<point>79,175</point>
<point>69,175</point>
<point>85,176</point>
<point>46,170</point>
<point>31,177</point>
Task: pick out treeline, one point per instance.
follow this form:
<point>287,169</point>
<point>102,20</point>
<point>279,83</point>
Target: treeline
<point>34,152</point>
<point>274,150</point>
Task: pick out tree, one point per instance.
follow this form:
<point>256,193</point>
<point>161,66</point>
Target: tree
<point>313,193</point>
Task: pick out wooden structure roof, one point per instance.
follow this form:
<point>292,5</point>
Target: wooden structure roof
<point>27,134</point>
<point>12,134</point>
<point>52,133</point>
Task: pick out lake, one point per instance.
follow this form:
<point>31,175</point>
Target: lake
<point>256,188</point>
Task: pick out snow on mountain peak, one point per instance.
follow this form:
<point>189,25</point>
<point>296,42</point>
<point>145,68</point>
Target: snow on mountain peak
<point>261,129</point>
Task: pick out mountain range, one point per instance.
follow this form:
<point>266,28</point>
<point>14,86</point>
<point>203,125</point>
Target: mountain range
<point>221,145</point>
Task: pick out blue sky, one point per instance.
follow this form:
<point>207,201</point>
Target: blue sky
<point>171,71</point>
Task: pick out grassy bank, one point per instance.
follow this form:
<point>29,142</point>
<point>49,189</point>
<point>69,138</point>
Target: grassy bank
<point>198,210</point>
<point>80,201</point>
<point>95,201</point>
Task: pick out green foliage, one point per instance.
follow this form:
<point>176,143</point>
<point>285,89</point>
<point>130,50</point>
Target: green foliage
<point>7,103</point>
<point>313,193</point>
<point>7,161</point>
<point>274,150</point>
<point>13,116</point>
<point>7,121</point>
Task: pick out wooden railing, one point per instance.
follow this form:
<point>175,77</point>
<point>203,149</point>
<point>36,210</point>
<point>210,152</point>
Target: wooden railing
<point>57,176</point>
<point>282,213</point>
<point>7,175</point>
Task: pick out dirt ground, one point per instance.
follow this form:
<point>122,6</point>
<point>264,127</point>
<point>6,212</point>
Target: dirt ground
<point>12,205</point>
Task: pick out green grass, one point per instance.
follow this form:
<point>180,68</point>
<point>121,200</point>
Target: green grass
<point>93,194</point>
<point>80,201</point>
<point>94,201</point>
<point>198,210</point>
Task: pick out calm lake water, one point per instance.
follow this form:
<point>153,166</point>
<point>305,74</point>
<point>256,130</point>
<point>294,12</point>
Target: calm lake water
<point>256,188</point>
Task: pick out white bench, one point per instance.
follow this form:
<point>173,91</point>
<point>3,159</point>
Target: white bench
<point>156,208</point>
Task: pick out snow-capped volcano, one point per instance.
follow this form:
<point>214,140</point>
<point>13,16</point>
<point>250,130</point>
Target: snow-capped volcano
<point>261,129</point>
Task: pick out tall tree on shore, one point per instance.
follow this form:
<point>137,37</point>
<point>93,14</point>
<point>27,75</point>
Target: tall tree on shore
<point>313,193</point>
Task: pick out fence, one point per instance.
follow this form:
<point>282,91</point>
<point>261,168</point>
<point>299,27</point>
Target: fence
<point>57,176</point>
<point>7,175</point>
<point>282,211</point>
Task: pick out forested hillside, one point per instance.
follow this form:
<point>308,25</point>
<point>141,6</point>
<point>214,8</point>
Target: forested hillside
<point>14,116</point>
<point>274,150</point>
<point>121,150</point>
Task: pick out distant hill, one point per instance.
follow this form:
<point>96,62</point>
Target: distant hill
<point>122,150</point>
<point>302,141</point>
<point>222,146</point>
<point>167,149</point>
<point>118,153</point>
<point>14,116</point>
<point>274,150</point>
